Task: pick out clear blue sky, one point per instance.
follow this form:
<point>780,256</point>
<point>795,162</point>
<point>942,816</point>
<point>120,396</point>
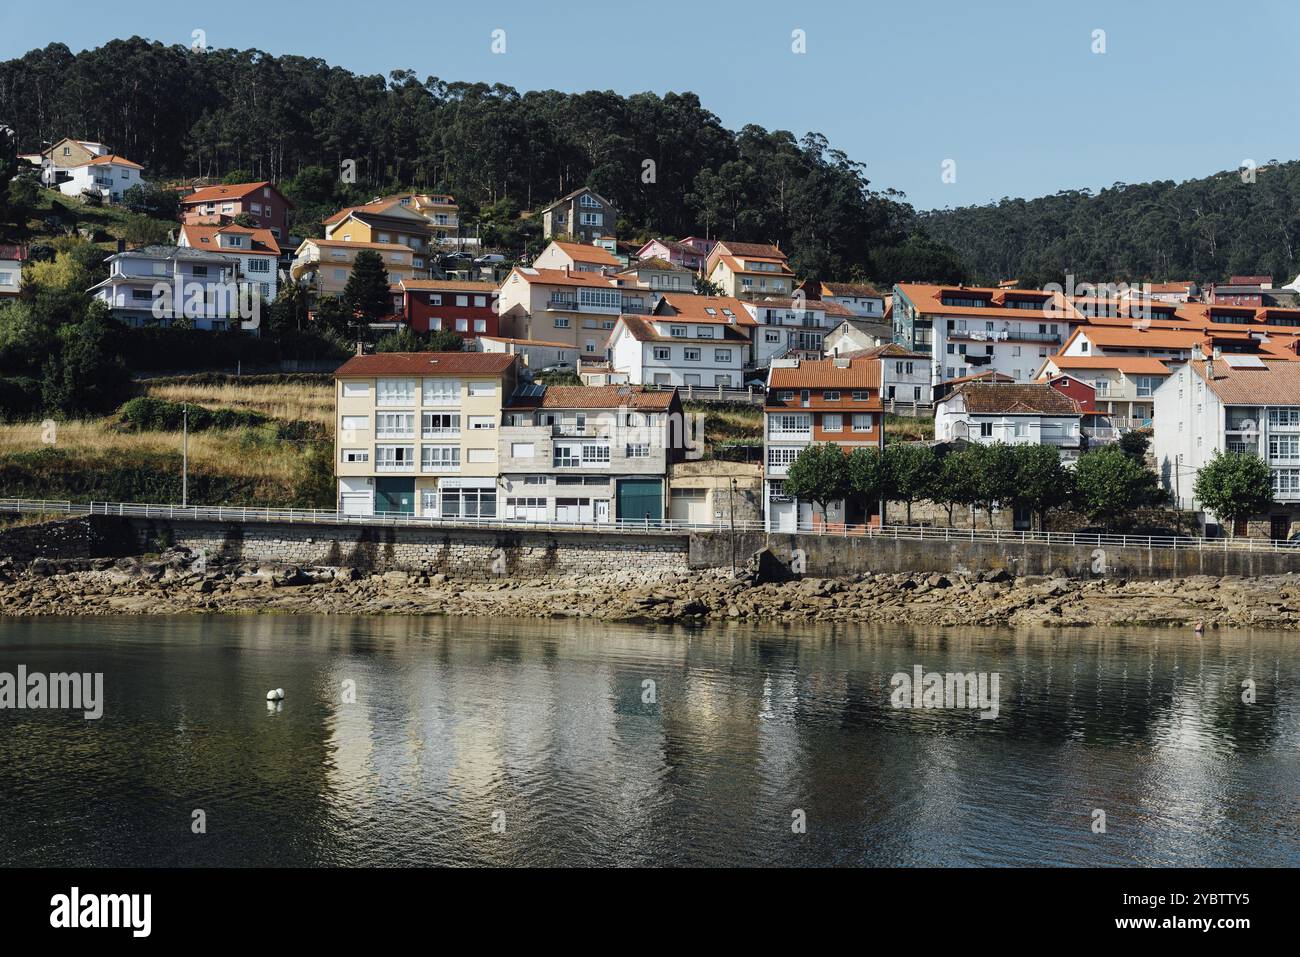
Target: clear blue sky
<point>1011,91</point>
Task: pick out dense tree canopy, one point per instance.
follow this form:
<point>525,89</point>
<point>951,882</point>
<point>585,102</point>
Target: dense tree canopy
<point>666,161</point>
<point>1202,229</point>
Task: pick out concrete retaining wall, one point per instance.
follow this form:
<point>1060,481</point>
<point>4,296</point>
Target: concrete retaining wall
<point>462,553</point>
<point>825,556</point>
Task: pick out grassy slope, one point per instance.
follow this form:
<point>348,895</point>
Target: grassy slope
<point>97,459</point>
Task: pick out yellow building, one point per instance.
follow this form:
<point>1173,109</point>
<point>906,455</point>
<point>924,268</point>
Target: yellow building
<point>749,270</point>
<point>417,432</point>
<point>323,265</point>
<point>386,221</point>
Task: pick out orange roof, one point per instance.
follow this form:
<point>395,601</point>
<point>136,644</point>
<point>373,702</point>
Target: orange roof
<point>751,250</point>
<point>826,374</point>
<point>1139,338</point>
<point>262,240</point>
<point>582,253</point>
<point>1129,365</point>
<point>448,285</point>
<point>1168,287</point>
<point>704,309</point>
<point>541,343</point>
<point>1029,398</point>
<point>235,191</point>
<point>115,160</point>
<point>427,363</point>
<point>1271,382</point>
<point>928,300</point>
<point>559,277</point>
<point>736,266</point>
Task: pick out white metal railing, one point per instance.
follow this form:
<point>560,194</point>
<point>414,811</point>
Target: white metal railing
<point>320,516</point>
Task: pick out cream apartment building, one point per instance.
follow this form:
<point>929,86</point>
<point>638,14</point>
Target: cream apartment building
<point>417,433</point>
<point>566,307</point>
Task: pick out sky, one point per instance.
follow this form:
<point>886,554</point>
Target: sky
<point>953,103</point>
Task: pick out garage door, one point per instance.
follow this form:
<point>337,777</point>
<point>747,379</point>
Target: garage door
<point>358,503</point>
<point>781,515</point>
<point>690,505</point>
<point>640,500</point>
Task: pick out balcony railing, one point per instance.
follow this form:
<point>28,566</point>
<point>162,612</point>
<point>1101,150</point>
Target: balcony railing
<point>395,467</point>
<point>790,434</point>
<point>439,433</point>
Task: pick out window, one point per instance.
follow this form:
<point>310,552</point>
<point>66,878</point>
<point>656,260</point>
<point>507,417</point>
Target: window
<point>356,423</point>
<point>479,422</point>
<point>704,332</point>
<point>663,353</point>
<point>561,322</point>
<point>482,389</point>
<point>392,425</point>
<point>789,424</point>
<point>567,455</point>
<point>604,298</point>
<point>595,454</point>
<point>1286,482</point>
<point>440,458</point>
<point>434,424</point>
<point>522,450</point>
<point>778,457</point>
<point>832,422</point>
<point>831,395</point>
<point>639,451</point>
<point>589,201</point>
<point>354,456</point>
<point>441,392</point>
<point>435,299</point>
<point>1284,447</point>
<point>592,219</point>
<point>691,355</point>
<point>480,302</point>
<point>395,391</point>
<point>469,502</point>
<point>526,509</point>
<point>394,458</point>
<point>1283,418</point>
<point>1147,385</point>
<point>861,395</point>
<point>259,264</point>
<point>722,355</point>
<point>772,335</point>
<point>462,300</point>
<point>677,332</point>
<point>862,422</point>
<point>480,325</point>
<point>986,430</point>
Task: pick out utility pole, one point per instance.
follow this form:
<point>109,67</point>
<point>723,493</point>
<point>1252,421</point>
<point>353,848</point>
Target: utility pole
<point>185,455</point>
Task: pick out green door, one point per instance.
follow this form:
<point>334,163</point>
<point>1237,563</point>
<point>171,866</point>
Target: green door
<point>395,496</point>
<point>639,499</point>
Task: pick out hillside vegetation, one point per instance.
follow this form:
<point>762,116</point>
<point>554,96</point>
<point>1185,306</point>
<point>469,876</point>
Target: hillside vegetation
<point>1202,229</point>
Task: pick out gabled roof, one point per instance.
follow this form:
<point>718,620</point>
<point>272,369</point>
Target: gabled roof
<point>751,250</point>
<point>205,237</point>
<point>890,350</point>
<point>1129,365</point>
<point>577,192</point>
<point>559,277</point>
<point>928,300</point>
<point>857,373</point>
<point>1265,381</point>
<point>583,253</point>
<point>113,159</point>
<point>391,208</point>
<point>427,363</point>
<point>996,398</point>
<point>690,308</point>
<point>642,329</point>
<point>851,290</point>
<point>209,194</point>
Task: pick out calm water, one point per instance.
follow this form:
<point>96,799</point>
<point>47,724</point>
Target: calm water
<point>460,723</point>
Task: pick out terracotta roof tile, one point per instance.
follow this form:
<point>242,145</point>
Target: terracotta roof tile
<point>1271,382</point>
<point>996,398</point>
<point>858,373</point>
<point>427,363</point>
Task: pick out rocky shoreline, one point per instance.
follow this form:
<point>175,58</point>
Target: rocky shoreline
<point>173,584</point>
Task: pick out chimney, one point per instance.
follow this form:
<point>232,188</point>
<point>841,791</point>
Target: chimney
<point>361,347</point>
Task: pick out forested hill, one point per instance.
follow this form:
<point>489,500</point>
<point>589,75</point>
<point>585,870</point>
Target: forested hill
<point>1204,229</point>
<point>666,161</point>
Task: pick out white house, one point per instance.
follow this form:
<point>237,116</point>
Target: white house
<point>969,331</point>
<point>109,175</point>
<point>256,250</point>
<point>11,269</point>
<point>904,374</point>
<point>1014,413</point>
<point>1233,403</point>
<point>688,341</point>
<point>864,301</point>
<point>794,328</point>
<point>165,285</point>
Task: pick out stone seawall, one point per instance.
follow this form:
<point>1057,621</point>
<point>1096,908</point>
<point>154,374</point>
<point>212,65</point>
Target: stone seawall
<point>86,537</point>
<point>828,556</point>
<point>459,553</point>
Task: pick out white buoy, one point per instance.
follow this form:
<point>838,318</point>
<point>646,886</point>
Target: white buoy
<point>276,695</point>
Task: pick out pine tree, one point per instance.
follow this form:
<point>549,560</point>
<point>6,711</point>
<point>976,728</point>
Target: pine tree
<point>366,292</point>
